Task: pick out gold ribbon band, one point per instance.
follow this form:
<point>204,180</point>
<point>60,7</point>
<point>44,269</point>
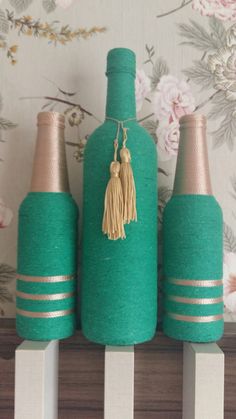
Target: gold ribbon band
<point>44,297</point>
<point>188,300</point>
<point>195,319</point>
<point>196,282</point>
<point>44,315</point>
<point>49,279</point>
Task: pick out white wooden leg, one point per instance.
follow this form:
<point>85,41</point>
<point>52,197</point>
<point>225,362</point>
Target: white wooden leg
<point>203,381</point>
<point>119,382</point>
<point>36,380</point>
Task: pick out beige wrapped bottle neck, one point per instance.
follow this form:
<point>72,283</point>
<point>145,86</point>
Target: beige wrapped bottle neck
<point>192,174</point>
<point>50,168</point>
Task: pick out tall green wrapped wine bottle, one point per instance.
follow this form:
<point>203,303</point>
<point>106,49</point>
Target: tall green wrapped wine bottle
<point>119,277</point>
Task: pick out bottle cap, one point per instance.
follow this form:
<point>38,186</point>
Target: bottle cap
<point>51,118</point>
<point>192,121</point>
<point>121,60</point>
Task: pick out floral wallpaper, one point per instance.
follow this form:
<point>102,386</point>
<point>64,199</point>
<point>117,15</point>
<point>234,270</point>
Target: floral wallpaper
<point>53,57</point>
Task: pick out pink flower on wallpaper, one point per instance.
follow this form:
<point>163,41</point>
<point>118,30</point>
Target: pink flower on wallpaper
<point>221,9</point>
<point>142,88</point>
<point>168,139</point>
<point>230,281</point>
<point>6,215</point>
<point>172,99</point>
<point>64,3</point>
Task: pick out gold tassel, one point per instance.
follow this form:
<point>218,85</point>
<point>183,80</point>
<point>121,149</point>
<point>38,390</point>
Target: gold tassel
<point>128,184</point>
<point>112,223</point>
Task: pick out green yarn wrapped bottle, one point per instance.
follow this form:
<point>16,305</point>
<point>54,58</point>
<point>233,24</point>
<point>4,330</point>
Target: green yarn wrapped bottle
<point>47,241</point>
<point>193,244</point>
<point>119,277</point>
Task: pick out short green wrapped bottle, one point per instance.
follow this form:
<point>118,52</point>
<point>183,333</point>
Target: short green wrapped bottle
<point>47,241</point>
<point>119,277</point>
<point>193,244</point>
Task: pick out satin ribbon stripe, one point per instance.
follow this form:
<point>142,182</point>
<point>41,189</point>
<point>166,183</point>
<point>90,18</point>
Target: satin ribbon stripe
<point>44,315</point>
<point>195,319</point>
<point>200,301</point>
<point>49,279</point>
<point>44,297</point>
<point>196,282</point>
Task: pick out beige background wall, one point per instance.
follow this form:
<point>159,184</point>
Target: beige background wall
<point>39,58</point>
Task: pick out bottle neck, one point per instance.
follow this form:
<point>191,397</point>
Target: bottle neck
<point>50,168</point>
<point>121,96</point>
<point>192,174</point>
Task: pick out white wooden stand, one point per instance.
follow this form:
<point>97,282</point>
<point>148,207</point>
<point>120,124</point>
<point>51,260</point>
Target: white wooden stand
<point>203,381</point>
<point>119,382</point>
<point>36,380</point>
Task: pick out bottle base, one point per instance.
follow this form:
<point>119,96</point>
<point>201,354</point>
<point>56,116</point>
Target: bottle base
<point>193,332</point>
<point>118,340</point>
<point>45,329</point>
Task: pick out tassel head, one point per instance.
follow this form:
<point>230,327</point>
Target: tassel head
<point>114,169</point>
<point>125,155</point>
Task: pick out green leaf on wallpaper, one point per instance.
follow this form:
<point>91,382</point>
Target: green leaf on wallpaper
<point>7,274</point>
<point>221,106</point>
<point>49,5</point>
<point>5,295</point>
<point>70,94</point>
<point>5,124</point>
<point>233,183</point>
<point>164,194</point>
<point>3,40</point>
<point>151,126</point>
<point>196,36</point>
<point>218,31</point>
<point>226,133</point>
<point>151,52</point>
<point>20,5</point>
<point>160,69</point>
<point>200,74</point>
<point>229,239</point>
<point>4,24</point>
<point>46,105</point>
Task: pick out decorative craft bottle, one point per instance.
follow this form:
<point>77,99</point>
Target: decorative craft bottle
<point>119,277</point>
<point>47,241</point>
<point>192,234</point>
